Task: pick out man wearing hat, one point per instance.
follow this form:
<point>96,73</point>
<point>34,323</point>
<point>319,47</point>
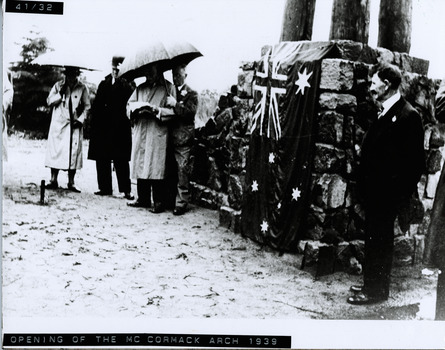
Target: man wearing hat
<point>70,104</point>
<point>110,139</point>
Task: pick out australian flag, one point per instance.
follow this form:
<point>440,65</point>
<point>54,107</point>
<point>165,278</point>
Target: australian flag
<point>278,169</point>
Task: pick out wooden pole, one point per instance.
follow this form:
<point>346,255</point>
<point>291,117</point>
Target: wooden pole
<point>42,192</point>
<point>395,24</point>
<point>298,20</point>
<point>350,20</point>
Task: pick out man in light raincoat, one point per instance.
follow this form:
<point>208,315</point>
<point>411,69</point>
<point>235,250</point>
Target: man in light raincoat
<point>147,108</point>
<point>70,104</point>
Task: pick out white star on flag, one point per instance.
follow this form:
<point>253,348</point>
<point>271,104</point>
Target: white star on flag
<point>296,193</point>
<point>271,158</point>
<point>302,81</point>
<point>254,186</point>
<point>264,226</point>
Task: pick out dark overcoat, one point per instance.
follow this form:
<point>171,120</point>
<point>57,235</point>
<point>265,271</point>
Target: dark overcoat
<point>110,135</point>
<point>392,157</point>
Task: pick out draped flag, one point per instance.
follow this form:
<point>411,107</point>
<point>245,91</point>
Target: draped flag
<point>278,169</point>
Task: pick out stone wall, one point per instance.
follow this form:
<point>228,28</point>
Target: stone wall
<point>344,114</point>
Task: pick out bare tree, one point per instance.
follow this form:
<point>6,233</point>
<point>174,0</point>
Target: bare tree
<point>298,20</point>
<point>395,20</point>
<point>350,20</point>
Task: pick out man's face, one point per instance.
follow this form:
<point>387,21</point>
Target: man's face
<point>152,74</point>
<point>179,76</point>
<point>71,77</point>
<point>114,71</point>
<point>378,88</point>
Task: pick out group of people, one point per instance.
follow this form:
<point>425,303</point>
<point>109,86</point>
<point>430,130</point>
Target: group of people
<point>156,153</point>
<point>162,115</point>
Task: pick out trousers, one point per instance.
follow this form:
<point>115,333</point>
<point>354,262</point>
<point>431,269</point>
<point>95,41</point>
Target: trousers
<point>104,180</point>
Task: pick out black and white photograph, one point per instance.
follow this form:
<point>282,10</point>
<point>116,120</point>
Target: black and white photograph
<point>223,174</point>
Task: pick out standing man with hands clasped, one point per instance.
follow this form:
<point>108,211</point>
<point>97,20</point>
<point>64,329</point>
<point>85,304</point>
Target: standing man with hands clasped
<point>182,129</point>
<point>110,139</point>
<point>392,162</point>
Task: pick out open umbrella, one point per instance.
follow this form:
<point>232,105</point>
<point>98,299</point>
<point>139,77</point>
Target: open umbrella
<point>167,54</point>
<point>62,58</point>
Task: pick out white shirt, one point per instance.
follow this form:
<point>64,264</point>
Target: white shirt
<point>389,103</point>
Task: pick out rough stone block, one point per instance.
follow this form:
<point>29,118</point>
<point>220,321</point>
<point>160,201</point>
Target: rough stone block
<point>300,246</point>
<point>385,56</point>
<point>339,102</point>
<point>337,75</point>
<point>434,162</point>
<point>355,51</point>
<point>238,154</point>
<point>247,65</point>
<point>403,251</point>
<point>223,119</point>
<point>235,191</point>
<point>310,255</point>
<point>436,138</point>
<point>419,248</point>
<point>431,185</point>
<point>348,133</point>
<point>330,128</point>
<point>245,82</point>
<point>414,64</point>
<point>338,220</point>
<point>328,159</point>
<point>332,191</point>
<point>314,232</point>
<point>350,161</point>
<point>326,260</point>
<point>358,249</point>
<point>230,219</point>
<point>344,254</point>
<point>214,181</point>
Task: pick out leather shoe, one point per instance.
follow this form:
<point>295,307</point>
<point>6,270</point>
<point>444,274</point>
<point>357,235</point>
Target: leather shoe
<point>128,196</point>
<point>102,193</point>
<point>179,211</point>
<point>52,185</point>
<point>363,299</point>
<point>158,208</point>
<point>137,204</point>
<point>73,188</point>
<point>356,289</point>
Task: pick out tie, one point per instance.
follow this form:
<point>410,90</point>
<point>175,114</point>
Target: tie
<point>178,94</point>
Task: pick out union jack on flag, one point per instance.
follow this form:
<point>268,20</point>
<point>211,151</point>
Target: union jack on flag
<point>272,82</point>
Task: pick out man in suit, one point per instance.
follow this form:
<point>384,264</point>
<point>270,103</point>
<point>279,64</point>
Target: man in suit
<point>182,131</point>
<point>110,133</point>
<point>392,161</point>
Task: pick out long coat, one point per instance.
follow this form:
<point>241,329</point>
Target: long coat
<point>392,157</point>
<point>150,135</point>
<point>110,137</point>
<point>64,150</point>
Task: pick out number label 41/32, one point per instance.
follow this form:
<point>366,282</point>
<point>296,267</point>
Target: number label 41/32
<point>35,7</point>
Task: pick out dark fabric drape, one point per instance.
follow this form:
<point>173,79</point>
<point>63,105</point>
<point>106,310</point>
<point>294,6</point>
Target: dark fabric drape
<point>278,168</point>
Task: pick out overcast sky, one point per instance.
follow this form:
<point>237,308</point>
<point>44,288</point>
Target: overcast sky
<point>226,31</point>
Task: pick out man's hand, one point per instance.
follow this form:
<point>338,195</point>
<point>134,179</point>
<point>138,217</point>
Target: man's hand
<point>171,101</point>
